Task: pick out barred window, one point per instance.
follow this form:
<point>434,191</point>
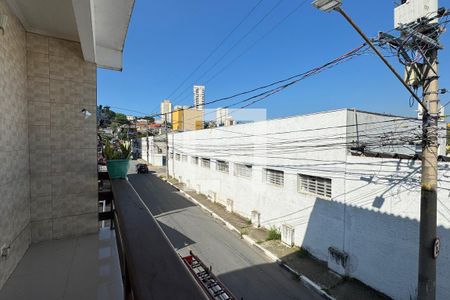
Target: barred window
<point>318,186</point>
<point>184,158</point>
<point>177,156</point>
<point>222,166</point>
<point>274,177</point>
<point>241,170</point>
<point>194,160</point>
<point>206,163</point>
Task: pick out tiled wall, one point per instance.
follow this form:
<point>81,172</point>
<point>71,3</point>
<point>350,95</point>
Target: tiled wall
<point>14,158</point>
<point>62,142</point>
<point>48,170</point>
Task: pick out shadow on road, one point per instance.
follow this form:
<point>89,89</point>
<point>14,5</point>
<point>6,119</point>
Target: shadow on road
<point>160,197</point>
<point>177,239</point>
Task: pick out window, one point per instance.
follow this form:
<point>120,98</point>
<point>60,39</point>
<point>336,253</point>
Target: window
<point>177,156</point>
<point>222,166</point>
<point>315,185</point>
<point>171,155</point>
<point>194,160</point>
<point>184,158</point>
<point>206,162</point>
<point>241,170</point>
<point>274,177</point>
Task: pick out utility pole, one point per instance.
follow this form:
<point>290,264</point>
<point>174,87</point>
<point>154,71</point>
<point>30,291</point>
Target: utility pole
<point>424,35</point>
<point>146,130</point>
<point>429,243</point>
<point>167,146</point>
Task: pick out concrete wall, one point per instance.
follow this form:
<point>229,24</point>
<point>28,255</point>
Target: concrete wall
<point>155,154</point>
<point>14,154</point>
<point>63,144</point>
<point>372,216</point>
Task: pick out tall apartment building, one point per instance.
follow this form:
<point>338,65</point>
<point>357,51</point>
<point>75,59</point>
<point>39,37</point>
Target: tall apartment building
<point>199,97</point>
<point>166,109</point>
<point>221,116</point>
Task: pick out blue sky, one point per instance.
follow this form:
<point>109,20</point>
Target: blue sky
<point>168,39</point>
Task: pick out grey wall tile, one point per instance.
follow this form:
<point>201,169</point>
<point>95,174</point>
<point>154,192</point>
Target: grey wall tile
<point>40,160</point>
<point>86,138</point>
<point>37,43</point>
<point>74,69</point>
<point>90,73</point>
<point>17,250</point>
<point>40,186</point>
<point>84,161</point>
<point>63,48</point>
<point>38,89</point>
<point>6,224</point>
<point>39,113</point>
<point>75,225</point>
<point>37,64</point>
<point>62,143</point>
<point>75,204</point>
<point>56,67</point>
<point>63,91</point>
<point>41,208</point>
<point>39,137</point>
<point>61,138</point>
<point>14,177</point>
<point>62,115</point>
<point>89,95</point>
<point>41,230</point>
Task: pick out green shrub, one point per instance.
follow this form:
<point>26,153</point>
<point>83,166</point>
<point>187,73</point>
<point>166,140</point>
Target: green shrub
<point>123,151</point>
<point>273,234</point>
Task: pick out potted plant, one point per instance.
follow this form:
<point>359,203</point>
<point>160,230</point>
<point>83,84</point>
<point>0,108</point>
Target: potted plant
<point>117,159</point>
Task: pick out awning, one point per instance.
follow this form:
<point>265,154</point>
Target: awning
<point>99,25</point>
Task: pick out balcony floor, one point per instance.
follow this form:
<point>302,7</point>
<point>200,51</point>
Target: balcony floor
<point>85,268</point>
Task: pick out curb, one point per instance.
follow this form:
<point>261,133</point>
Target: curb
<point>305,280</point>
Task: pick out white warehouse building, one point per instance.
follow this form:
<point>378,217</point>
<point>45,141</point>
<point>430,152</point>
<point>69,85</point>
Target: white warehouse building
<point>325,181</point>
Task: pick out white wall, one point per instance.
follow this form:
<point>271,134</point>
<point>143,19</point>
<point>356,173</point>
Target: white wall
<point>150,151</point>
<point>374,210</point>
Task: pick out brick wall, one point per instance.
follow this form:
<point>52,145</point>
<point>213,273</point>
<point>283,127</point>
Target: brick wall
<point>62,142</point>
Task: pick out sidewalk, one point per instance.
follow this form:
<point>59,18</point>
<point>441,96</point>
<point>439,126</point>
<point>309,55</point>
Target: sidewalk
<point>296,260</point>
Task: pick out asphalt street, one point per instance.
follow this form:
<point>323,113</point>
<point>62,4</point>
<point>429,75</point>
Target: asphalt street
<point>244,270</point>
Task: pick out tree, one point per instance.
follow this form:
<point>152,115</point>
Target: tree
<point>105,116</point>
<point>150,119</point>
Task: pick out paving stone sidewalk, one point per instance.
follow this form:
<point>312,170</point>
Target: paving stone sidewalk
<point>296,258</point>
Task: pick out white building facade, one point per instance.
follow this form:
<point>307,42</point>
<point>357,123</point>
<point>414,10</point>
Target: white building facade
<point>154,150</point>
<point>221,116</point>
<point>357,213</point>
<point>199,97</point>
<point>166,111</point>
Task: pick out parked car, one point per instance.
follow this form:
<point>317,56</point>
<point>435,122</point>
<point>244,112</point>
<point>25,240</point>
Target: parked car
<point>142,169</point>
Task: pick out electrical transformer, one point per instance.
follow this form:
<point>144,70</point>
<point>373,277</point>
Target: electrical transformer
<point>412,10</point>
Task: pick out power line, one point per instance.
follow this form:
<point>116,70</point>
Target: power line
<point>261,96</point>
<point>262,37</point>
<point>283,83</point>
<point>234,45</point>
<point>216,48</point>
